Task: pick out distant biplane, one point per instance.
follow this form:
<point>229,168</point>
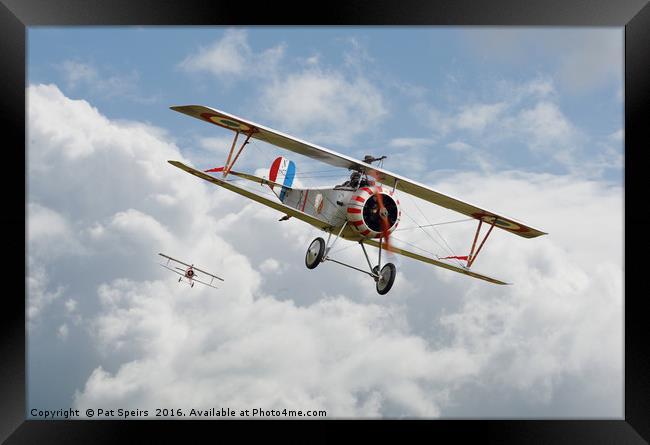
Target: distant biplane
<point>364,209</point>
<point>188,272</point>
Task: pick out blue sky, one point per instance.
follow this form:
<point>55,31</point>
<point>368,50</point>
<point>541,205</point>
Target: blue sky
<point>136,73</point>
<point>525,121</point>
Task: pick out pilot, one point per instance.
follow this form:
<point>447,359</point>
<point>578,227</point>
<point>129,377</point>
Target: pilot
<point>355,177</point>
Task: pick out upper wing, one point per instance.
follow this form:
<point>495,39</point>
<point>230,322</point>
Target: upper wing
<point>207,273</point>
<point>323,225</point>
<point>173,259</point>
<point>388,178</point>
<point>437,263</point>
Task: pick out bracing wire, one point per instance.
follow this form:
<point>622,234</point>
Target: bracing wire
<point>436,224</point>
<point>429,235</point>
<point>447,248</point>
<point>433,226</point>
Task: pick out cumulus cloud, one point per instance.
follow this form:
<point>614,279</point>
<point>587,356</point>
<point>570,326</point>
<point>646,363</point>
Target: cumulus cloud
<point>476,117</point>
<point>278,335</point>
<point>322,104</point>
<point>525,121</point>
<point>231,57</point>
<point>40,293</point>
<point>326,105</point>
<point>330,355</point>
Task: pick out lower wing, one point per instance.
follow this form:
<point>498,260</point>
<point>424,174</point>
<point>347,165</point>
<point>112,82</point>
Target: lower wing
<point>204,283</point>
<point>438,263</point>
<point>323,225</point>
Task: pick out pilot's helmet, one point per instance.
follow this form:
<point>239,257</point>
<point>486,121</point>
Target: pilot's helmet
<point>355,176</point>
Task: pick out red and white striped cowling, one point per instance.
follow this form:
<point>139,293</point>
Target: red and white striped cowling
<point>357,203</point>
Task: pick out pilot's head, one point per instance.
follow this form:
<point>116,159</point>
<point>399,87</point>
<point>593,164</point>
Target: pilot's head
<point>355,176</point>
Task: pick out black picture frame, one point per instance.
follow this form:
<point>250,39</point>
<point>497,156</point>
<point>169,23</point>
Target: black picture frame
<point>634,15</point>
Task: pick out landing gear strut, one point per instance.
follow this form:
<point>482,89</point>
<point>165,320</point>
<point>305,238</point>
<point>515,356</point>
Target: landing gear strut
<point>384,277</point>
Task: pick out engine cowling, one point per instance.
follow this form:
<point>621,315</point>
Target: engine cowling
<point>363,211</point>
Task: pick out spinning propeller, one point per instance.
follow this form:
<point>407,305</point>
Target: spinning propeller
<point>383,216</point>
<point>382,211</point>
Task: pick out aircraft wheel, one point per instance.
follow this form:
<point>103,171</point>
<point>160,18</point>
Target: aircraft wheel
<point>386,278</point>
<point>315,253</point>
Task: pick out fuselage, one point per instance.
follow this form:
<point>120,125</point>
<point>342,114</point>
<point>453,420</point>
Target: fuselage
<point>358,207</point>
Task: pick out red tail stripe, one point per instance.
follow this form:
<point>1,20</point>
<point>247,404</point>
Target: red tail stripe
<point>353,210</point>
<point>273,172</point>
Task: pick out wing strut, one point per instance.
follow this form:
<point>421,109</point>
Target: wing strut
<point>472,256</point>
<point>229,164</point>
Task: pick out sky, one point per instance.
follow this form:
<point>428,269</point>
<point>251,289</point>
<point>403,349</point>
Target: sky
<point>524,121</point>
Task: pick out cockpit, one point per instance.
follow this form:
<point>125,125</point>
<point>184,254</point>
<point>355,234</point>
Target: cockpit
<point>356,180</point>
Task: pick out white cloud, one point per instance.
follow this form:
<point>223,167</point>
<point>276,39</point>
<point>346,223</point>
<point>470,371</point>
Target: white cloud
<point>52,232</point>
<point>39,293</point>
<point>271,265</point>
<point>231,57</point>
<point>525,119</point>
<point>319,104</point>
<point>410,142</point>
<point>265,353</point>
<point>218,145</point>
<point>83,75</point>
<point>63,331</point>
<point>317,339</point>
<point>323,105</point>
<point>548,131</point>
<point>71,305</point>
<point>76,73</point>
<point>618,135</point>
<point>477,116</point>
<point>459,146</point>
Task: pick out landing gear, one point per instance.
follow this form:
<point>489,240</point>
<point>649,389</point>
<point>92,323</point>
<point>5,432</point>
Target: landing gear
<point>386,278</point>
<point>315,253</point>
<point>318,252</point>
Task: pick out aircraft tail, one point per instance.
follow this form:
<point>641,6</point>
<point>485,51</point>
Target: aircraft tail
<point>282,171</point>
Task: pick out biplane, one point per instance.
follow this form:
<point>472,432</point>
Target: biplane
<point>364,209</point>
<point>189,272</point>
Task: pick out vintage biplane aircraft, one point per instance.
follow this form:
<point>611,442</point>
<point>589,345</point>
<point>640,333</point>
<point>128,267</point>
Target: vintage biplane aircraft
<point>188,272</point>
<point>364,209</point>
